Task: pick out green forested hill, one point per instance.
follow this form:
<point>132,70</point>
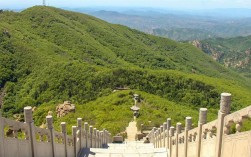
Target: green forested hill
<point>234,53</point>
<point>50,55</point>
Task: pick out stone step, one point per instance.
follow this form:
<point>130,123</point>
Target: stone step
<point>130,155</point>
<point>128,149</point>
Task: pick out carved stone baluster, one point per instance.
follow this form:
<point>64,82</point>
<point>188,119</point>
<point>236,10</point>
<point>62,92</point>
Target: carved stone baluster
<point>211,134</point>
<point>41,139</point>
<point>190,138</point>
<point>226,130</point>
<point>238,127</point>
<point>205,133</point>
<point>15,132</point>
<point>194,137</point>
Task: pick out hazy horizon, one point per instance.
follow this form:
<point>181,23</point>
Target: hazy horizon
<point>164,4</point>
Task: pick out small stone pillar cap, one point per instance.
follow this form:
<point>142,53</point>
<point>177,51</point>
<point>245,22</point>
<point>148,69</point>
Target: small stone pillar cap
<point>168,123</point>
<point>91,129</point>
<point>171,131</point>
<point>188,123</point>
<point>28,114</point>
<point>49,121</point>
<point>63,127</point>
<point>178,128</point>
<point>164,125</point>
<point>79,121</point>
<point>203,116</point>
<point>161,128</point>
<point>86,126</point>
<point>225,103</point>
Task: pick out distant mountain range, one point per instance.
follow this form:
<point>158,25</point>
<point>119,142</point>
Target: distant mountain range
<point>181,25</point>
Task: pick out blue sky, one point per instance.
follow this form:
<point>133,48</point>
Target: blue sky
<point>175,4</point>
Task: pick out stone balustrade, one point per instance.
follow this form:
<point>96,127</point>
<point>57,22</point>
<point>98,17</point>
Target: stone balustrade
<point>18,139</point>
<point>219,138</point>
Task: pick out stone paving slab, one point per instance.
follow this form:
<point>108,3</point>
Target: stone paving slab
<point>129,149</point>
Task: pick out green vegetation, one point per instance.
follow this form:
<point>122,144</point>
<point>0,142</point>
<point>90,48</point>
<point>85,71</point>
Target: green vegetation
<point>234,53</point>
<point>49,55</point>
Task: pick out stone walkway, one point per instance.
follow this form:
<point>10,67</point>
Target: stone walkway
<point>127,149</point>
<point>132,131</point>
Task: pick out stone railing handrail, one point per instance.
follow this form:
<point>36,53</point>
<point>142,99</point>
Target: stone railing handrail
<point>238,116</point>
<point>209,126</point>
<point>47,139</point>
<point>208,138</point>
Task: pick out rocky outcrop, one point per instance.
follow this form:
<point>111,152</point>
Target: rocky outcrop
<point>65,108</point>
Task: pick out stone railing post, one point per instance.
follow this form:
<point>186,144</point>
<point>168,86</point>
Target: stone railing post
<point>224,110</point>
<point>150,136</point>
<point>141,128</point>
<point>107,137</point>
<point>79,124</point>
<point>187,128</point>
<point>63,129</point>
<point>202,121</point>
<point>95,138</point>
<point>161,135</point>
<point>104,137</point>
<point>98,139</point>
<point>164,134</point>
<point>31,131</point>
<point>178,131</point>
<point>86,134</point>
<point>91,133</point>
<point>101,139</point>
<point>110,138</point>
<point>1,136</point>
<point>74,134</point>
<point>49,121</point>
<point>154,137</point>
<point>168,125</point>
<point>170,140</point>
<point>158,135</point>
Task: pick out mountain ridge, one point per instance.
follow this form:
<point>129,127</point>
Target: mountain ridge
<point>49,55</point>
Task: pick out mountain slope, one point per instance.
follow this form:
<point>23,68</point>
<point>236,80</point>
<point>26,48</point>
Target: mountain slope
<point>234,53</point>
<point>50,55</point>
